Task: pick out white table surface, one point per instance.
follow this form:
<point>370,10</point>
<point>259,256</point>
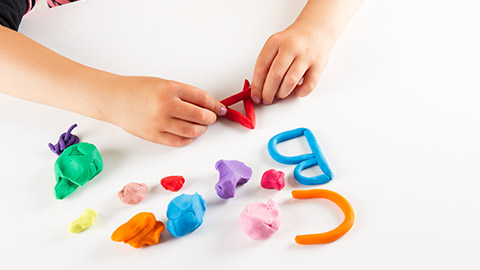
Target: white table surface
<point>396,113</point>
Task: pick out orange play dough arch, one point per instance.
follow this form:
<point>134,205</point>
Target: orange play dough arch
<point>330,236</point>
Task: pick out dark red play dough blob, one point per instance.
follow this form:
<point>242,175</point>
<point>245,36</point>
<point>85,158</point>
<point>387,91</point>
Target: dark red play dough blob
<point>173,183</point>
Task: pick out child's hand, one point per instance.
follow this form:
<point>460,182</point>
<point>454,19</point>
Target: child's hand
<point>163,111</point>
<point>300,51</point>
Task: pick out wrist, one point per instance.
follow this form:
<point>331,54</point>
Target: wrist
<point>317,31</point>
<point>114,90</point>
<point>102,91</point>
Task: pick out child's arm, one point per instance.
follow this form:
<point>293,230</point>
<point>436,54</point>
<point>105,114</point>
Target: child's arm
<point>301,50</point>
<point>158,110</point>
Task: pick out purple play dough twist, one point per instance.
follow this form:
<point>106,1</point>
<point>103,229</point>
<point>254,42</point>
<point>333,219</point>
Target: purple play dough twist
<point>232,173</point>
<point>66,139</point>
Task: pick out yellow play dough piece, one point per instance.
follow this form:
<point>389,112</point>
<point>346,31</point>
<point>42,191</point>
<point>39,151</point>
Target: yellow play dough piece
<point>83,222</point>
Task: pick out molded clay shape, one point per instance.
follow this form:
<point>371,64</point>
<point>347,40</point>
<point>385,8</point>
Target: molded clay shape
<point>133,193</point>
<point>260,220</point>
<point>65,140</point>
<point>232,173</point>
<point>185,214</point>
<point>77,165</point>
<point>249,120</point>
<point>83,222</point>
<point>304,161</point>
<point>273,179</point>
<point>173,183</point>
<point>142,229</point>
<point>330,236</point>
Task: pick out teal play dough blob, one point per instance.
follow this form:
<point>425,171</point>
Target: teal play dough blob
<point>77,165</point>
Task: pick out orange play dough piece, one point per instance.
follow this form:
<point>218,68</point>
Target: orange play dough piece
<point>330,236</point>
<point>142,229</point>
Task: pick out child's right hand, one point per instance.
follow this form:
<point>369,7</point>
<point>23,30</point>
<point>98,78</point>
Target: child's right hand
<point>162,111</point>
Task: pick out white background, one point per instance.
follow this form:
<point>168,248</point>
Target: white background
<point>396,113</point>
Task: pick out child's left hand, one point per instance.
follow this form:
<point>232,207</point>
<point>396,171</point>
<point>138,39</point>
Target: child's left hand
<point>300,51</point>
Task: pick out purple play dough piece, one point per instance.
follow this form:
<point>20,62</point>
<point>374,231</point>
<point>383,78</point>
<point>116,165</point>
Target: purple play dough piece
<point>66,139</point>
<point>232,173</point>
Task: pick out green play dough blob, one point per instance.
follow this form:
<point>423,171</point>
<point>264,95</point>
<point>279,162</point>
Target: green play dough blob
<point>77,165</point>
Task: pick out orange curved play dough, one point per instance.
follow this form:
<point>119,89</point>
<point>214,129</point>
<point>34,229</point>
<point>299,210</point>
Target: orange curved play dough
<point>330,236</point>
<point>142,229</point>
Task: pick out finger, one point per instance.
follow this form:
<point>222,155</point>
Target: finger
<point>310,81</point>
<point>275,75</point>
<point>170,139</point>
<point>292,78</point>
<point>185,129</point>
<point>201,98</point>
<point>264,61</point>
<point>192,113</point>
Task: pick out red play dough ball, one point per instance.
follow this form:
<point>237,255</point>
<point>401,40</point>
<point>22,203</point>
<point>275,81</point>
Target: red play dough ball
<point>273,179</point>
<point>173,183</point>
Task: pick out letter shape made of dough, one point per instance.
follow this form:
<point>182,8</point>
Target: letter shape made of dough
<point>330,236</point>
<point>247,121</point>
<point>304,161</point>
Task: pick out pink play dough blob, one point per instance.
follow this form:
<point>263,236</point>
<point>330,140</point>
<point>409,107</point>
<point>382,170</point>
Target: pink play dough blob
<point>133,193</point>
<point>260,220</point>
<point>273,179</point>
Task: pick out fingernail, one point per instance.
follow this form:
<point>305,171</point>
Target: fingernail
<point>265,102</point>
<point>223,111</point>
<point>256,99</point>
<point>300,82</point>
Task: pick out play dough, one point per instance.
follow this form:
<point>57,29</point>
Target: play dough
<point>77,165</point>
<point>83,222</point>
<point>133,193</point>
<point>273,179</point>
<point>142,229</point>
<point>247,121</point>
<point>65,140</point>
<point>260,220</point>
<point>330,236</point>
<point>232,173</point>
<point>173,183</point>
<point>304,161</point>
<point>185,214</point>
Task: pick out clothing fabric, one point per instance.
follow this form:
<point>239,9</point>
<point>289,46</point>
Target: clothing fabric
<point>12,11</point>
<point>55,3</point>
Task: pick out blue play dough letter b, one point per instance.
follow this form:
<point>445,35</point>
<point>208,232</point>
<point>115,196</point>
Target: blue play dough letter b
<point>304,161</point>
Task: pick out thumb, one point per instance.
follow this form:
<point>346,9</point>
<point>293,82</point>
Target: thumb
<point>201,98</point>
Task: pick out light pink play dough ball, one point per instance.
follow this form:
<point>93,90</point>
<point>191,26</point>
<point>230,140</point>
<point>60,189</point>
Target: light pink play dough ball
<point>260,220</point>
<point>133,193</point>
